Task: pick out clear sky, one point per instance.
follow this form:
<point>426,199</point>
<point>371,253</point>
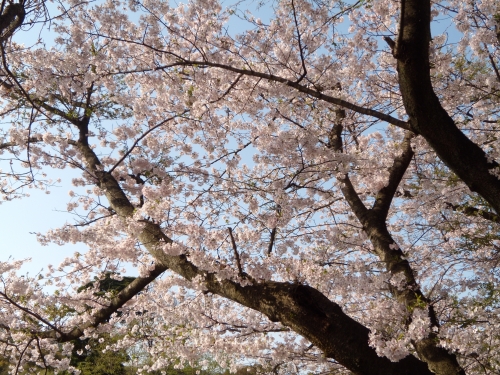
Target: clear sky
<point>21,218</point>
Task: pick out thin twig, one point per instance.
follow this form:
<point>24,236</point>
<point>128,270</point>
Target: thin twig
<point>301,48</point>
<point>142,137</point>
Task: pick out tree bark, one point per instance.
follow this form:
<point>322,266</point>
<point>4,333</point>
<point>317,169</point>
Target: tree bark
<point>11,19</point>
<point>426,115</point>
<point>373,220</point>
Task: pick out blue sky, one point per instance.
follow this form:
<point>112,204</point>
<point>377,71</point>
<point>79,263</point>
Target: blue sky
<point>21,218</point>
<point>40,212</point>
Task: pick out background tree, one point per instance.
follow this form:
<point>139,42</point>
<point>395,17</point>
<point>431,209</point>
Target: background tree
<point>317,194</point>
<point>4,366</point>
<point>94,357</point>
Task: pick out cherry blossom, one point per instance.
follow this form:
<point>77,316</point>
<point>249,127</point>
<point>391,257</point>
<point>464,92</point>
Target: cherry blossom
<point>315,192</point>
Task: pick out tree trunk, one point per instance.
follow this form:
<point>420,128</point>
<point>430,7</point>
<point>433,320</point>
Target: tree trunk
<point>427,117</point>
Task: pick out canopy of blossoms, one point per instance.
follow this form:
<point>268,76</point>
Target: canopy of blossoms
<point>311,191</point>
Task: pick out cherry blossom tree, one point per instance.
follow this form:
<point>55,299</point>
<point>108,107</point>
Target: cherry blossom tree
<point>318,192</point>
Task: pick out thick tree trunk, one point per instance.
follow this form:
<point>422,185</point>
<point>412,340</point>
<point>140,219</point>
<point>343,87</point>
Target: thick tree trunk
<point>427,116</point>
<point>11,19</point>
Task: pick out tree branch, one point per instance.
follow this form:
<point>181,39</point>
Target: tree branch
<point>374,225</point>
<point>29,312</point>
<point>103,314</point>
<point>301,88</point>
<point>11,19</point>
<point>271,241</point>
<point>427,116</point>
<point>385,195</point>
<point>14,144</point>
<point>300,307</point>
<point>301,48</point>
<point>235,250</point>
<point>473,211</point>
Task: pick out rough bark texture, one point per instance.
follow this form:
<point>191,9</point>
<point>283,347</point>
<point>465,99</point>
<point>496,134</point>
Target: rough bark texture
<point>309,313</point>
<point>11,19</point>
<point>427,116</point>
